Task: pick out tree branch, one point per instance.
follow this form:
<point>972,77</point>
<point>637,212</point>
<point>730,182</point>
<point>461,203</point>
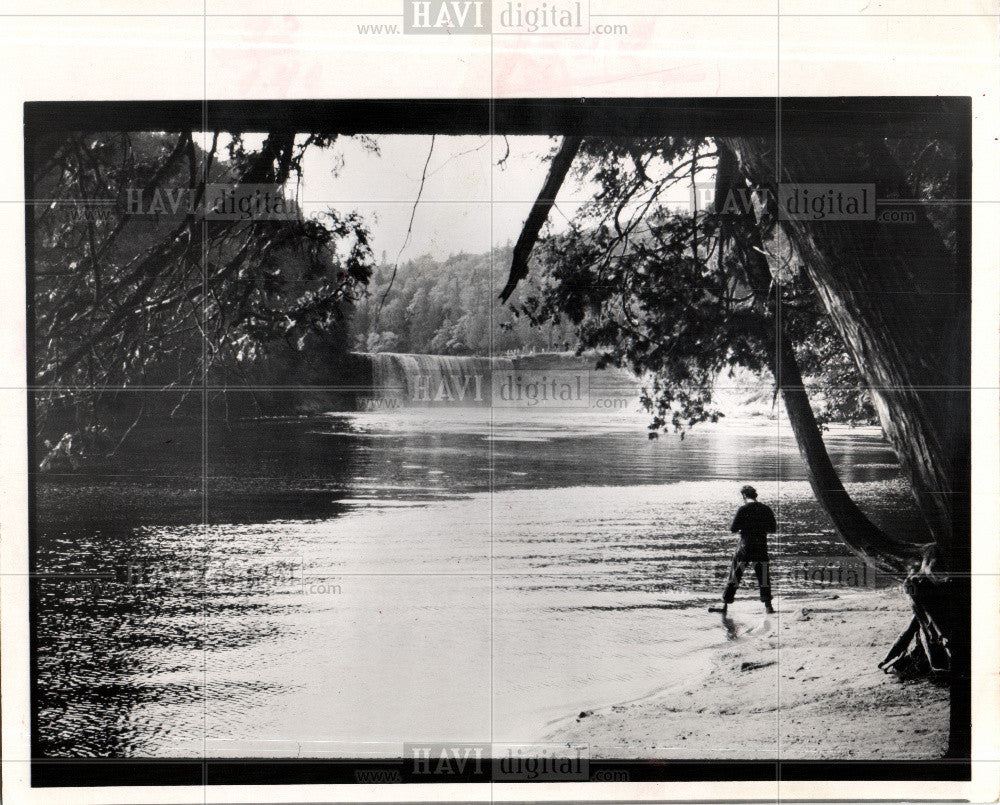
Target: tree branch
<point>539,212</point>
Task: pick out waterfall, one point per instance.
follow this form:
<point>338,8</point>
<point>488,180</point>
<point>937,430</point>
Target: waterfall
<point>562,381</point>
<point>427,380</point>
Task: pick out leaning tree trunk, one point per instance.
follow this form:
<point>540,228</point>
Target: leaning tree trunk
<point>881,550</point>
<point>901,303</point>
<point>902,309</point>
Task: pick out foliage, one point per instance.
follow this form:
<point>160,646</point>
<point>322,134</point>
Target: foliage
<point>447,307</point>
<point>652,288</point>
<point>128,298</point>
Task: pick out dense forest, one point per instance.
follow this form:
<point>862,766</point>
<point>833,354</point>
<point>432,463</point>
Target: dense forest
<point>450,307</point>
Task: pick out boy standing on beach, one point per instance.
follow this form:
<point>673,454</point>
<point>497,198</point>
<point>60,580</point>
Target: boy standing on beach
<point>754,521</point>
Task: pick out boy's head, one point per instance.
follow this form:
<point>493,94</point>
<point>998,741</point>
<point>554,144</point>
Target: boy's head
<point>748,492</point>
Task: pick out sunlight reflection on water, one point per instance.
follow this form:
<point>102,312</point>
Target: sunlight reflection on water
<point>357,581</point>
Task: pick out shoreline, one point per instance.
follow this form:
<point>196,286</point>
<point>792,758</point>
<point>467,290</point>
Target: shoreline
<point>802,684</point>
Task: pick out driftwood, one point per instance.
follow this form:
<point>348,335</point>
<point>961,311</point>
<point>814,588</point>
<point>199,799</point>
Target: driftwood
<point>899,648</point>
<point>923,646</point>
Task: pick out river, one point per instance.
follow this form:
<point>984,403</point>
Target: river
<point>338,584</point>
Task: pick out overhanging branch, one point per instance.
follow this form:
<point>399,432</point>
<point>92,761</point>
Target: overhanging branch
<point>539,212</point>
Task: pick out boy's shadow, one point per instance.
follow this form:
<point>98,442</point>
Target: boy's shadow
<point>730,624</point>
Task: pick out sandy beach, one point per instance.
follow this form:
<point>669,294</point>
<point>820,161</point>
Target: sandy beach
<point>802,683</point>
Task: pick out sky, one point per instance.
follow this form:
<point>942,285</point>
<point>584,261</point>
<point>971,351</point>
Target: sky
<point>469,201</point>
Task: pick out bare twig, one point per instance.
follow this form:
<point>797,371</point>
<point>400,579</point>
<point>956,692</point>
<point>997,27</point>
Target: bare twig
<point>409,228</point>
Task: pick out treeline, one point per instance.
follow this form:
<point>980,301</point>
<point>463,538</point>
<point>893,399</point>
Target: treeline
<point>450,307</point>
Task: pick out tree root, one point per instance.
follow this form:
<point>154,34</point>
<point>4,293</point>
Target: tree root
<point>923,648</point>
